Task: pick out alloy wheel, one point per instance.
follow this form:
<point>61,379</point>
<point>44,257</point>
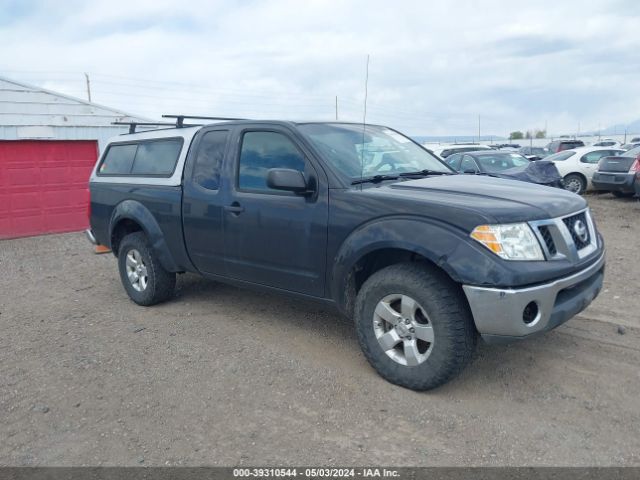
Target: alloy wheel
<point>136,270</point>
<point>403,330</point>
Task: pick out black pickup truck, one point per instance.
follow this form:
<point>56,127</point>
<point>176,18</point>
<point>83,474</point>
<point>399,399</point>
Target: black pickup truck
<point>358,217</point>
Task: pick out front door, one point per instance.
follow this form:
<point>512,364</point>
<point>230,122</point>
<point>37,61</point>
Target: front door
<point>274,237</point>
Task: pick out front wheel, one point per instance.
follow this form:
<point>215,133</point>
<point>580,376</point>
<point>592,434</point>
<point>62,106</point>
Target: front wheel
<point>143,277</point>
<point>575,183</point>
<point>414,326</point>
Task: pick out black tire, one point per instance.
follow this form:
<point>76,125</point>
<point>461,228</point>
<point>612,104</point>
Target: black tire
<point>160,283</point>
<point>444,303</point>
<point>623,194</point>
<point>575,179</point>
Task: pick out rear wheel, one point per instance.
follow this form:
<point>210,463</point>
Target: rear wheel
<point>414,326</point>
<point>143,277</point>
<point>575,183</point>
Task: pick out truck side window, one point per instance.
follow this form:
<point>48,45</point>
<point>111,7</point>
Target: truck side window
<point>206,170</point>
<point>118,160</point>
<point>158,157</point>
<point>262,151</point>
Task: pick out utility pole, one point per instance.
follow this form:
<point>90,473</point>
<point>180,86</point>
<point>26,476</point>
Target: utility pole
<point>86,76</point>
<point>478,128</point>
<point>336,108</point>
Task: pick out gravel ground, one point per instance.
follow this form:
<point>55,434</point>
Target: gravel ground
<point>222,376</point>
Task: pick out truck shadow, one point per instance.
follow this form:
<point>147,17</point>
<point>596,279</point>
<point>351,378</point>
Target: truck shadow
<point>325,335</point>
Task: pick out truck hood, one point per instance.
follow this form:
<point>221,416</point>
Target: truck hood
<point>503,200</point>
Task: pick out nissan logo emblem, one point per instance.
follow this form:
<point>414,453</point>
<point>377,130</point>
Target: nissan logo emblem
<point>580,229</point>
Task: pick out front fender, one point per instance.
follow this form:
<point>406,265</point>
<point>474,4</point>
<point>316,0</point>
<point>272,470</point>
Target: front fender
<point>442,244</point>
<point>137,212</point>
<point>448,247</point>
<point>463,259</point>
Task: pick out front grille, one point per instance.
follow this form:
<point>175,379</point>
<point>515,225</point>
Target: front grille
<point>548,240</point>
<point>570,222</point>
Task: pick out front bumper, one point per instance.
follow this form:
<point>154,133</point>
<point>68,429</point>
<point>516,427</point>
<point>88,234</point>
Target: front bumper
<point>619,182</point>
<point>498,313</point>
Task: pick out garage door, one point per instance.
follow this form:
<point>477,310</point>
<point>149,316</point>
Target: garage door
<point>43,186</point>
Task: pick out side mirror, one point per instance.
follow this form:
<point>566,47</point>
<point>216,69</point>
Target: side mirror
<point>287,180</point>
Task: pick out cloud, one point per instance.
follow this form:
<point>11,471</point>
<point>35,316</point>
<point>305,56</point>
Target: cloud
<point>435,66</point>
<point>533,45</point>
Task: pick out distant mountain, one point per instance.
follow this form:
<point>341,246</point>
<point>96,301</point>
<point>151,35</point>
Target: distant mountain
<point>618,129</point>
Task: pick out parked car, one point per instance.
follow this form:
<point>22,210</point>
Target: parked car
<point>423,259</point>
<point>561,145</point>
<point>534,153</point>
<point>629,146</point>
<point>619,174</point>
<point>578,165</point>
<point>444,151</point>
<point>506,146</point>
<point>607,142</point>
<point>506,165</point>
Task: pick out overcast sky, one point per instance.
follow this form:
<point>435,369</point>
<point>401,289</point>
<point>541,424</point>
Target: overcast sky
<point>435,65</point>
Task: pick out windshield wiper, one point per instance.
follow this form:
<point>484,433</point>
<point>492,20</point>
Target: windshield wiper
<point>375,179</point>
<point>424,173</point>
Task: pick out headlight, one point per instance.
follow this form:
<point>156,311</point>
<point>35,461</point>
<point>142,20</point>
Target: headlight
<point>513,241</point>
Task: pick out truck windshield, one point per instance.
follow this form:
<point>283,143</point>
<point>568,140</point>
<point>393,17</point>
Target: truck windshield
<point>371,151</point>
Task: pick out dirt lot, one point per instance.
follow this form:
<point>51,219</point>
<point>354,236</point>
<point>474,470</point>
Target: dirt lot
<point>222,376</point>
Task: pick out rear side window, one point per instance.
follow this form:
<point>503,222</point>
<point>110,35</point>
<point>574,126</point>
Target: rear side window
<point>594,157</point>
<point>156,158</point>
<point>118,160</point>
<point>206,171</point>
<point>146,158</point>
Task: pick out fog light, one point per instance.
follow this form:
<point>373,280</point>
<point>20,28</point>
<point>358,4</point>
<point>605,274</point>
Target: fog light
<point>530,312</point>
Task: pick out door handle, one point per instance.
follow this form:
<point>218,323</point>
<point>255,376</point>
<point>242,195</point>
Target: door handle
<point>235,208</point>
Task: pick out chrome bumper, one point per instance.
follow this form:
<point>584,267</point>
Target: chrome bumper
<point>90,236</point>
<point>498,313</point>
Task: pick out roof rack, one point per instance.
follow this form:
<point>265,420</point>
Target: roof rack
<point>133,125</point>
<point>180,118</point>
<point>179,123</point>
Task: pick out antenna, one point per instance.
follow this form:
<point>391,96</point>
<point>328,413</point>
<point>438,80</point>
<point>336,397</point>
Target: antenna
<point>86,76</point>
<point>364,121</point>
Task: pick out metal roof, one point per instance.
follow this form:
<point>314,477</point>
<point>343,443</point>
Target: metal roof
<point>22,104</point>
